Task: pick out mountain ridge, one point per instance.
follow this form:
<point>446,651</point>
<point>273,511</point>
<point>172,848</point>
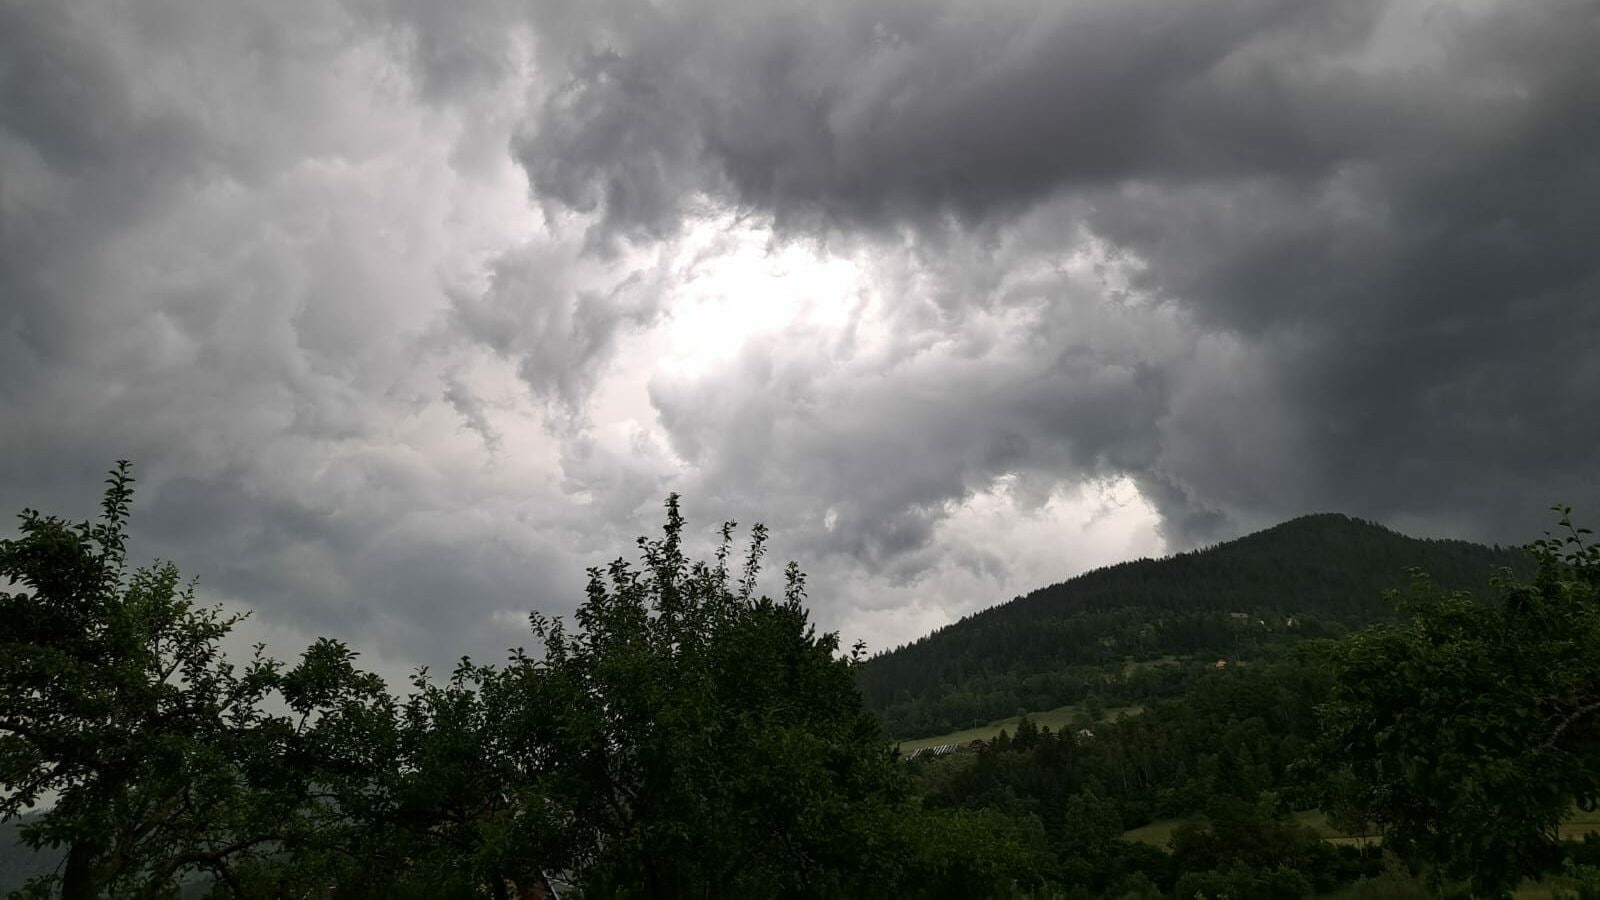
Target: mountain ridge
<point>1318,575</point>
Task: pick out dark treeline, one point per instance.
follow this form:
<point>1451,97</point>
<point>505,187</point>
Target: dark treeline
<point>1226,758</point>
<point>1314,577</point>
<point>684,736</point>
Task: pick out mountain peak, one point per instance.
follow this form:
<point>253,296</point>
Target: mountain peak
<point>1326,573</point>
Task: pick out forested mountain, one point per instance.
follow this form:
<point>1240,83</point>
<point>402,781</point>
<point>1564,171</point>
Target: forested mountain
<point>1143,630</point>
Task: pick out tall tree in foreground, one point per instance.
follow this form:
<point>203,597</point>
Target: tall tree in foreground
<point>116,699</point>
<point>709,742</point>
<point>117,703</point>
<point>1472,729</point>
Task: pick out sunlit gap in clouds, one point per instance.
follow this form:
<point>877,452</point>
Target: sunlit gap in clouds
<point>742,285</point>
<point>735,288</point>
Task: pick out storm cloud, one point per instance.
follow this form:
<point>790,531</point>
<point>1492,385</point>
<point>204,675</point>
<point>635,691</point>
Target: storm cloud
<point>409,314</point>
<point>1381,214</point>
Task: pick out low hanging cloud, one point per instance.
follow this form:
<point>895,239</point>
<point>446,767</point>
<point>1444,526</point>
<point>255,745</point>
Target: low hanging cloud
<point>408,316</point>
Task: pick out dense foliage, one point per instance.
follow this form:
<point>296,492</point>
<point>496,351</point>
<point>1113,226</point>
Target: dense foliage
<point>1472,728</point>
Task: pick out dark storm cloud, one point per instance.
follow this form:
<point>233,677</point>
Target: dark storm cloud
<point>79,163</point>
<point>413,584</point>
<point>1433,301</point>
<point>455,48</point>
<point>1385,211</point>
<point>844,113</point>
<point>198,222</point>
<point>561,334</point>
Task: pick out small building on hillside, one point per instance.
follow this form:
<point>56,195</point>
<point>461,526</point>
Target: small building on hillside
<point>936,750</point>
<point>1222,664</point>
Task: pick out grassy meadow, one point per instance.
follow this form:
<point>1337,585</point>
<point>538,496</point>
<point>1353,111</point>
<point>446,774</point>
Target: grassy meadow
<point>1055,719</point>
<point>1574,827</point>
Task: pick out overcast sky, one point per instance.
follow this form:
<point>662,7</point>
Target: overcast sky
<point>408,312</point>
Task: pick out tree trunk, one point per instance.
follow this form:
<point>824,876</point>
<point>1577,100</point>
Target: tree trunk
<point>78,879</point>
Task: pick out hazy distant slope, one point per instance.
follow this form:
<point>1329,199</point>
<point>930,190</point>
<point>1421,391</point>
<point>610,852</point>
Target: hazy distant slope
<point>1061,643</point>
<point>18,863</point>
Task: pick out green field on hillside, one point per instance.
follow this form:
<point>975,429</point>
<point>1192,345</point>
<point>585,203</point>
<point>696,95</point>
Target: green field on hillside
<point>1574,827</point>
<point>1054,719</point>
<point>1579,823</point>
<point>1158,833</point>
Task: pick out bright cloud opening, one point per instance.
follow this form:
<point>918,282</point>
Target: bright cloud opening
<point>741,284</point>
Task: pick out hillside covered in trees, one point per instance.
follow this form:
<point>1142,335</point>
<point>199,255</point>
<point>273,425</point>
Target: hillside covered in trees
<point>1143,630</point>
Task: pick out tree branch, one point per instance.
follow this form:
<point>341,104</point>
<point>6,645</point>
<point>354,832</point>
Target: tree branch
<point>1567,722</point>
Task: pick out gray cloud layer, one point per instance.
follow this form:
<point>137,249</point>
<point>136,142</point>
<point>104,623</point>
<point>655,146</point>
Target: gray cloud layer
<point>1388,208</point>
<point>376,292</point>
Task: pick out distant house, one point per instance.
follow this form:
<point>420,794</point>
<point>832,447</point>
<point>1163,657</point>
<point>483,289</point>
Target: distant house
<point>977,744</point>
<point>1085,734</point>
<point>936,750</point>
<point>1290,623</point>
<point>1241,617</point>
<point>1222,664</point>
